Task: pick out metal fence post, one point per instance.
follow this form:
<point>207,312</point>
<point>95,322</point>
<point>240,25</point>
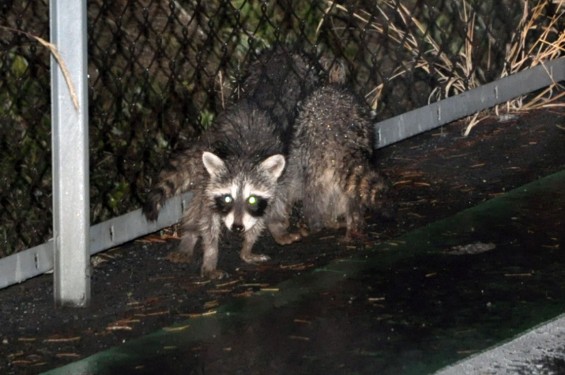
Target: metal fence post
<point>71,221</point>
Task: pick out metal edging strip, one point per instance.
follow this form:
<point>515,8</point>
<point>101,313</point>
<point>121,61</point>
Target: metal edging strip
<point>414,122</point>
<point>37,260</point>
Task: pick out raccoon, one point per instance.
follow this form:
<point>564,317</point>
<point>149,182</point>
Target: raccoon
<point>275,83</point>
<point>329,166</point>
<point>233,170</point>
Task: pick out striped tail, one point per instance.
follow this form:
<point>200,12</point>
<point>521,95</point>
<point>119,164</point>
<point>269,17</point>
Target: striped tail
<point>177,177</point>
<point>368,186</point>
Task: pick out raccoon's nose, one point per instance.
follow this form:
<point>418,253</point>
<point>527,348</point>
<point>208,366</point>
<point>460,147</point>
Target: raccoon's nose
<point>237,228</point>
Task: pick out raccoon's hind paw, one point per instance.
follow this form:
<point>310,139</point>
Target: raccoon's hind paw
<point>304,230</point>
<point>355,235</point>
<point>288,238</point>
<point>214,274</point>
<point>179,257</point>
<point>255,258</point>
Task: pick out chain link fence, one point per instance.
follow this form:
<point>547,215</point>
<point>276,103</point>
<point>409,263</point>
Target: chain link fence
<point>160,70</point>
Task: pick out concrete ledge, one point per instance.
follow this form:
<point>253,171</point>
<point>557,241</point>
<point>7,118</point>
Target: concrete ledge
<point>539,351</point>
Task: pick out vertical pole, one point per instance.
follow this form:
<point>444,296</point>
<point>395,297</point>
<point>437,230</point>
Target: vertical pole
<point>71,216</point>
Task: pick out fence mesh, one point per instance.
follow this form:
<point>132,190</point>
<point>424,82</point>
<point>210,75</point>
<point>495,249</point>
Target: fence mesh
<point>160,70</point>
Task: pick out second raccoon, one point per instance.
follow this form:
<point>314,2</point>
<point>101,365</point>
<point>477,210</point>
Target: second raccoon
<point>329,167</point>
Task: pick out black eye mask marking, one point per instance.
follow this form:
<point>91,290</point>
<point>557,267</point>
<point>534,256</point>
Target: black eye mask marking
<point>224,203</point>
<point>256,205</point>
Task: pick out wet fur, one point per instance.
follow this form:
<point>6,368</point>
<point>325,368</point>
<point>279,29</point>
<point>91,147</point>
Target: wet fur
<point>335,187</point>
<point>258,125</point>
<point>329,167</point>
<point>278,80</point>
<point>234,138</point>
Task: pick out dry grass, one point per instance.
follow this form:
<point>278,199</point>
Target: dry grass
<point>521,54</point>
<point>549,45</point>
<point>457,73</point>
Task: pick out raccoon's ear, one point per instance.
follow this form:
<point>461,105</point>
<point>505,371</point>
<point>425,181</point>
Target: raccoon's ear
<point>273,165</point>
<point>213,164</point>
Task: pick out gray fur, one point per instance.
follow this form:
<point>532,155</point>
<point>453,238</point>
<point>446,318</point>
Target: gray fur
<point>323,156</point>
<point>276,83</point>
<point>329,167</point>
<point>252,129</point>
<point>246,149</point>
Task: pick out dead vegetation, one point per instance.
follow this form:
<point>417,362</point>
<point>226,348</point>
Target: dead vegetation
<point>539,37</point>
<point>549,45</point>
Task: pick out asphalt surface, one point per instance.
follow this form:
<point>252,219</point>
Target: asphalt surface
<point>427,306</point>
<point>408,306</point>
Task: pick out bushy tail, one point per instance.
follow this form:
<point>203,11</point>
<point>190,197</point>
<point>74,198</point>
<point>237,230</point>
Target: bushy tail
<point>365,183</point>
<point>177,177</point>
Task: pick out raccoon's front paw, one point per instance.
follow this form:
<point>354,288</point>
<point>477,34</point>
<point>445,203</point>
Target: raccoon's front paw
<point>255,258</point>
<point>151,210</point>
<point>356,236</point>
<point>179,257</point>
<point>304,230</point>
<point>214,274</point>
<point>288,238</point>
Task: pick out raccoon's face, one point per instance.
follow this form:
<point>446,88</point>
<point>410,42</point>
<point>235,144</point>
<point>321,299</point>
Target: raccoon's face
<point>242,198</point>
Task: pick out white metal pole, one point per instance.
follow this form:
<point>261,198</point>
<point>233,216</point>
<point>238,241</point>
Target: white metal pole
<point>71,221</point>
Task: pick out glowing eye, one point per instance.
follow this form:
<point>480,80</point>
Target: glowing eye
<point>256,205</point>
<point>223,203</point>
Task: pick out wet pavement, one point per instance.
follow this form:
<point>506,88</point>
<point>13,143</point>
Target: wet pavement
<point>414,305</point>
